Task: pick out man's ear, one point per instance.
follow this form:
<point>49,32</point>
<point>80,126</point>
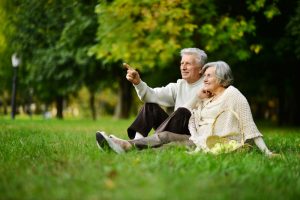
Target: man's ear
<point>201,71</point>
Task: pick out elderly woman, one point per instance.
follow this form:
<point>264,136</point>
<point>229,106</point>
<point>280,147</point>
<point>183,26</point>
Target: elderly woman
<point>217,96</point>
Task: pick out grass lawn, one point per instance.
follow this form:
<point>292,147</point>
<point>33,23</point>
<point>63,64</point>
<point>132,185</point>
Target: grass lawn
<point>50,159</point>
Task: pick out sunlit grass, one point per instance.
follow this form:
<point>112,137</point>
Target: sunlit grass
<point>53,159</point>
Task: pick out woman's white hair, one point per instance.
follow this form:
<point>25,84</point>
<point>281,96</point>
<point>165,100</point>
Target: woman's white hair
<point>199,54</point>
<point>223,72</point>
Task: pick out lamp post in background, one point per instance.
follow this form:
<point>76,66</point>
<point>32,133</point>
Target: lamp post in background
<point>15,63</point>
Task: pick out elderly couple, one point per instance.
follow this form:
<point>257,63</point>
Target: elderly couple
<point>204,91</point>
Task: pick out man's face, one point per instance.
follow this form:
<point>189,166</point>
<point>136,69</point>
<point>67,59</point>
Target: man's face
<point>190,71</point>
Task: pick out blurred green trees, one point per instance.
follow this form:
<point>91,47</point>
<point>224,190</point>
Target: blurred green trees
<point>53,38</point>
<point>68,44</point>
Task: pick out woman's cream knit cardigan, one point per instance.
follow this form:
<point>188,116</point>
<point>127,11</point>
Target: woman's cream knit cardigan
<point>203,116</point>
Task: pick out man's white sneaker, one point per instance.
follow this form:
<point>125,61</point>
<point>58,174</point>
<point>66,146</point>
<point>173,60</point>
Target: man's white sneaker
<point>101,141</point>
<point>104,141</point>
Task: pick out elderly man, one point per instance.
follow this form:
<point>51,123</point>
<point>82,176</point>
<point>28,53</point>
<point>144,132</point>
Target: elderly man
<point>173,95</point>
<point>179,95</point>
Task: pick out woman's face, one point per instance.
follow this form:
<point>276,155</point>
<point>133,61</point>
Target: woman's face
<point>211,82</point>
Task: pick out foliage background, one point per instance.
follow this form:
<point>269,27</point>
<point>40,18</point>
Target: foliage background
<point>71,46</point>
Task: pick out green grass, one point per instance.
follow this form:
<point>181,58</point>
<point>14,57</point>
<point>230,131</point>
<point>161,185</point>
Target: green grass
<point>50,159</point>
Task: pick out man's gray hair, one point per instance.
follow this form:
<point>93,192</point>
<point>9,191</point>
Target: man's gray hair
<point>199,54</point>
<point>223,72</point>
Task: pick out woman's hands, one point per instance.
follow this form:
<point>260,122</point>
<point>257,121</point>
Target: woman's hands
<point>203,94</point>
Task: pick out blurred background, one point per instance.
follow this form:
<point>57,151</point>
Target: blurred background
<point>62,58</point>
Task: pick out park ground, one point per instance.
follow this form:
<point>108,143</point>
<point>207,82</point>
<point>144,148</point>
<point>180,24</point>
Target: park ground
<point>59,159</point>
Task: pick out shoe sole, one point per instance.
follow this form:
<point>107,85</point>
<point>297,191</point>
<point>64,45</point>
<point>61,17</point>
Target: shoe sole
<point>108,142</point>
<point>101,141</point>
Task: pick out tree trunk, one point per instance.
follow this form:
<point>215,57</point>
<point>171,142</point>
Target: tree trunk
<point>59,107</point>
<point>92,105</point>
<point>124,99</point>
<point>281,106</point>
<point>293,106</point>
<point>5,109</point>
<point>4,105</point>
